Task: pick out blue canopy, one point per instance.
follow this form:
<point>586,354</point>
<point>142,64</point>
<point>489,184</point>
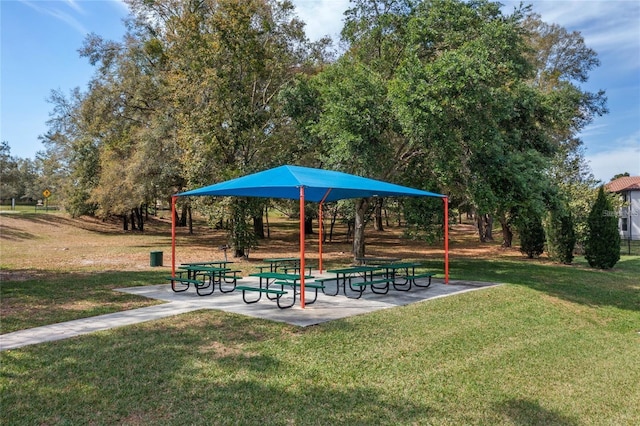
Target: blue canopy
<point>319,185</point>
<point>305,184</point>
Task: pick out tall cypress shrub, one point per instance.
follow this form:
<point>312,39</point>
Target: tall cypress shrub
<point>561,237</point>
<point>532,236</point>
<point>602,246</point>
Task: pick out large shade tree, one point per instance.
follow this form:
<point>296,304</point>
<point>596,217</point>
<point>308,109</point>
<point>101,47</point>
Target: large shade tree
<point>444,91</point>
<point>461,92</point>
<point>563,62</point>
<point>229,61</point>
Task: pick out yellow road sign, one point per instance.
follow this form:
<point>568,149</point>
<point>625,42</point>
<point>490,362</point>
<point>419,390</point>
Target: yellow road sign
<point>46,193</point>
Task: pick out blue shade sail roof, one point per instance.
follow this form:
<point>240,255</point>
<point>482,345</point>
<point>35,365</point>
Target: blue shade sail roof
<point>319,185</point>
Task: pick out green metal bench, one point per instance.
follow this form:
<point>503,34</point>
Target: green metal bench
<point>412,279</point>
<point>198,284</point>
<point>296,285</point>
<point>374,289</point>
<point>261,290</point>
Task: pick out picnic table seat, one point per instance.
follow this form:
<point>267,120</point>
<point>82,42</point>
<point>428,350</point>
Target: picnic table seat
<point>374,286</point>
<point>261,290</point>
<point>206,285</point>
<point>296,286</point>
<point>412,279</point>
<point>200,285</point>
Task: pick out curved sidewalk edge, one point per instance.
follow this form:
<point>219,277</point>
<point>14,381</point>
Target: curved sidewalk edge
<point>64,330</point>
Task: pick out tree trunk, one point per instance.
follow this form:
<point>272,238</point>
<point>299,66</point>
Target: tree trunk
<point>176,218</point>
<point>125,223</point>
<point>266,216</point>
<point>485,226</point>
<point>349,229</point>
<point>183,215</point>
<point>334,217</point>
<point>377,223</point>
<point>133,221</point>
<point>507,233</point>
<point>481,228</point>
<point>489,227</point>
<point>362,206</point>
<point>308,225</point>
<point>190,221</point>
<point>258,226</point>
<point>139,217</point>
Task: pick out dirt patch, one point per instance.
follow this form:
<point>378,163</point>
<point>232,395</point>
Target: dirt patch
<point>35,243</point>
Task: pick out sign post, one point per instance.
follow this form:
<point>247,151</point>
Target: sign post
<point>46,194</point>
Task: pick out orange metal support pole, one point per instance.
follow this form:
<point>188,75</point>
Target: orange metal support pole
<point>320,237</point>
<point>321,234</point>
<point>446,240</point>
<point>173,235</point>
<point>302,247</point>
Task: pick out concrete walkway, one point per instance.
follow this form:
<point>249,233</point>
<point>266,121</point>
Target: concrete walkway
<point>327,308</point>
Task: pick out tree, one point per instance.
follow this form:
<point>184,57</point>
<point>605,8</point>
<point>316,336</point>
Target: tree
<point>229,61</point>
<point>562,61</point>
<point>602,247</point>
<point>71,156</point>
<point>532,236</point>
<point>561,237</point>
<point>9,173</point>
<point>619,175</point>
<point>354,129</point>
<point>20,178</point>
<point>188,97</point>
<point>351,116</point>
<point>462,96</point>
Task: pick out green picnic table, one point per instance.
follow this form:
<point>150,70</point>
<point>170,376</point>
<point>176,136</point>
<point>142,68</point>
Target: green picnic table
<point>282,262</point>
<point>283,280</point>
<point>405,271</point>
<point>344,275</point>
<point>211,275</point>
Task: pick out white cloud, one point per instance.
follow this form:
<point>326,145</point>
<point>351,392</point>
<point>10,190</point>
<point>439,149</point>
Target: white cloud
<point>323,17</point>
<point>74,5</point>
<point>608,27</point>
<point>623,156</point>
<point>47,8</point>
<point>120,4</point>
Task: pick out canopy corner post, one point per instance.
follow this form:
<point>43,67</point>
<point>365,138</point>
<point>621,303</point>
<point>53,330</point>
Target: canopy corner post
<point>302,265</point>
<point>320,227</point>
<point>320,235</point>
<point>446,239</point>
<point>174,199</point>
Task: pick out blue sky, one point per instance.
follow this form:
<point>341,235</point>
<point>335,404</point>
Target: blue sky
<point>39,42</point>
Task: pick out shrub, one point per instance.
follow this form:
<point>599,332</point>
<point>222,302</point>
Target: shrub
<point>561,237</point>
<point>602,246</point>
<point>531,236</point>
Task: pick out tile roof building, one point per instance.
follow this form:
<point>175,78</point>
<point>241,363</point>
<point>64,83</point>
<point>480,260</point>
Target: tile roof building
<point>629,215</point>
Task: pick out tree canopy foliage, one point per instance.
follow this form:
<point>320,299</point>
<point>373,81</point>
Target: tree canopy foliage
<point>452,96</point>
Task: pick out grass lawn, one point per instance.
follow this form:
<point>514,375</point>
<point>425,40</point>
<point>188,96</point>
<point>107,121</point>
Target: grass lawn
<point>554,345</point>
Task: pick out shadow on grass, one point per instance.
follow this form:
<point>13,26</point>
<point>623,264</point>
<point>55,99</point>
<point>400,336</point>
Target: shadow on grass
<point>525,412</point>
<point>13,234</point>
<point>113,226</point>
<point>195,369</point>
<point>576,283</point>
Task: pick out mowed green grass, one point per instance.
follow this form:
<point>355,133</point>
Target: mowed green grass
<point>554,345</point>
<point>58,297</point>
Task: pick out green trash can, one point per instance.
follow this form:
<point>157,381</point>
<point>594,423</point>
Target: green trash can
<point>156,258</point>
